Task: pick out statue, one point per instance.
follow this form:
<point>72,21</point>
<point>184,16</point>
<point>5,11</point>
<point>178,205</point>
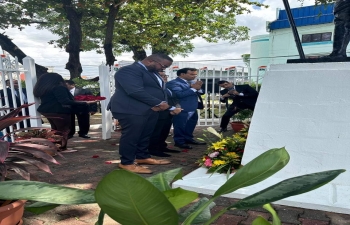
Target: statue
<point>341,35</point>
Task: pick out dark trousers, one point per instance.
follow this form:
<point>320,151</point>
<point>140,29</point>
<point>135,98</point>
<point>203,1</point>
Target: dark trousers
<point>184,126</point>
<point>136,134</point>
<point>232,110</point>
<point>60,123</point>
<point>83,123</point>
<point>161,132</point>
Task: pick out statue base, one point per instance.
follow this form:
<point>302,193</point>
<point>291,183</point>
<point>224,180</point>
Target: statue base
<point>320,60</point>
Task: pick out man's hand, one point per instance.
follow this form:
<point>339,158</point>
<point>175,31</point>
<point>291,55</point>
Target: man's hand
<point>226,95</point>
<point>176,111</point>
<point>233,92</point>
<point>163,106</point>
<point>156,108</point>
<point>197,85</point>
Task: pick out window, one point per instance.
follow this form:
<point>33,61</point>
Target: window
<point>319,37</point>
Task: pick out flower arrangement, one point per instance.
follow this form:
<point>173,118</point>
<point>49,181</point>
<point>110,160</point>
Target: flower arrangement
<point>89,98</point>
<point>224,155</point>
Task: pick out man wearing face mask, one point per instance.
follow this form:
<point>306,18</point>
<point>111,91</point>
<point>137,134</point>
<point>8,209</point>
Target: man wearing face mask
<point>139,96</point>
<point>244,97</point>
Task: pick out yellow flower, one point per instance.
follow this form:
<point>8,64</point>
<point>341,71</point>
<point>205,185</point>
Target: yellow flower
<point>219,145</point>
<point>218,162</point>
<point>232,155</point>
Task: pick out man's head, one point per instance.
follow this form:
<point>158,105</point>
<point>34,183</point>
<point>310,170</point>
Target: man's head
<point>15,83</point>
<point>70,84</point>
<point>187,73</point>
<point>164,76</point>
<point>157,62</point>
<point>225,84</point>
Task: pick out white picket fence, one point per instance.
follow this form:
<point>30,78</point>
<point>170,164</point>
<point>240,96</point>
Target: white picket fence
<point>10,70</point>
<point>213,108</point>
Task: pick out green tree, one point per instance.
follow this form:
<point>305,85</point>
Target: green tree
<point>246,59</point>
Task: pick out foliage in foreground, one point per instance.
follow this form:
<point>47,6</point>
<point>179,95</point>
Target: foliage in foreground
<point>131,199</point>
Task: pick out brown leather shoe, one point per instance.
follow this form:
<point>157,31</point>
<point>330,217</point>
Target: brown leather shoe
<point>151,161</point>
<point>134,168</point>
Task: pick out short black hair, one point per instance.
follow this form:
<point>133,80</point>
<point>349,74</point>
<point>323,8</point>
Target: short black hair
<point>159,56</point>
<point>222,82</point>
<point>185,70</point>
<point>70,82</point>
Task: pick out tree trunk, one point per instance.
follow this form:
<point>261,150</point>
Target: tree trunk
<point>7,45</point>
<point>108,44</point>
<point>139,51</point>
<point>75,39</point>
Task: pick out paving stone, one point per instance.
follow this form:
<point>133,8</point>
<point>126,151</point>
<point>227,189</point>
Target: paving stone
<point>289,215</point>
<point>227,219</point>
<point>33,221</point>
<point>253,215</point>
<point>223,201</point>
<point>314,214</point>
<point>338,219</point>
<point>305,221</point>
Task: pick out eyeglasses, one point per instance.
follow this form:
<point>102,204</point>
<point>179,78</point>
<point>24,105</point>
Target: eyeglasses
<point>163,66</point>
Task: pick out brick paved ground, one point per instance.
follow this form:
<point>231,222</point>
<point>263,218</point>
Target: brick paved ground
<point>82,170</point>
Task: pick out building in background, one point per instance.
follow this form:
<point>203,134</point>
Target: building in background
<point>315,27</point>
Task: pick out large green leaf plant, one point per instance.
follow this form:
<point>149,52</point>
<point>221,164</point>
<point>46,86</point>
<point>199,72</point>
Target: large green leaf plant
<point>131,199</point>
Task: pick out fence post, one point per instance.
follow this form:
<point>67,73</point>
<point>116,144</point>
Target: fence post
<point>105,92</point>
<point>30,79</point>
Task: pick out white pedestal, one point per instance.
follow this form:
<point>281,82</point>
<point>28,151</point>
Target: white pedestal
<point>306,108</point>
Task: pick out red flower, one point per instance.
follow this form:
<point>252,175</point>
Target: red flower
<point>95,156</point>
<point>89,98</point>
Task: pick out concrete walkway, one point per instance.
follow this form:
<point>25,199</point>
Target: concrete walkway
<point>96,157</point>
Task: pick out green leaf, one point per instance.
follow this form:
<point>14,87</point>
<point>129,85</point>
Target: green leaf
<point>40,207</point>
<point>130,199</point>
<point>287,188</point>
<point>260,168</point>
<point>204,216</point>
<point>275,219</point>
<point>44,192</point>
<point>180,197</point>
<point>162,180</point>
<point>261,221</point>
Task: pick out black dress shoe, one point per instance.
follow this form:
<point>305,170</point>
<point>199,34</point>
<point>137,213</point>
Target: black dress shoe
<point>84,136</point>
<point>183,146</point>
<point>160,154</point>
<point>222,130</point>
<point>193,142</point>
<point>170,150</point>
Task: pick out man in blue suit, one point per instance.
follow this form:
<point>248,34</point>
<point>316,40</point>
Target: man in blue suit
<point>139,96</point>
<point>188,92</point>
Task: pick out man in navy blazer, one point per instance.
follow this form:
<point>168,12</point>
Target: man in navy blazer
<point>139,96</point>
<point>244,97</point>
<point>188,92</point>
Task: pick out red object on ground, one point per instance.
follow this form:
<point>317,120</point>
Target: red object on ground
<point>185,150</point>
<point>95,156</point>
<point>108,162</point>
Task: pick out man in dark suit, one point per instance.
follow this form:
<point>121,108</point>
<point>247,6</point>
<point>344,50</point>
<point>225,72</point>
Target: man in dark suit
<point>158,145</point>
<point>18,94</point>
<point>188,92</point>
<point>243,96</point>
<point>138,98</point>
<point>83,114</point>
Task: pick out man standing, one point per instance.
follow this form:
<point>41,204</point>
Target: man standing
<point>158,145</point>
<point>138,98</point>
<point>244,97</point>
<point>188,92</point>
<point>82,113</point>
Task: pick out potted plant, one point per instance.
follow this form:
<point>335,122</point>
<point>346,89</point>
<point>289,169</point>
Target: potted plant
<point>34,151</point>
<point>241,119</point>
